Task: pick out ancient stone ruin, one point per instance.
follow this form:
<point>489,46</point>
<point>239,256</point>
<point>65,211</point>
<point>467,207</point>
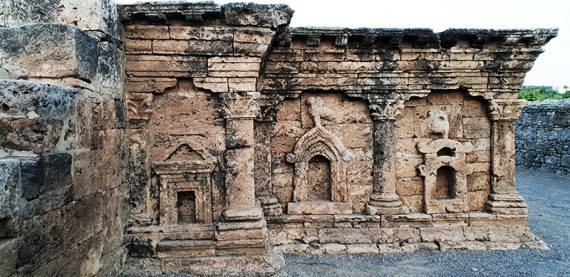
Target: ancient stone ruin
<point>205,139</point>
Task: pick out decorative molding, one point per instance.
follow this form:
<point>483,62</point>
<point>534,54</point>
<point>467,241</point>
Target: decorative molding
<point>203,162</point>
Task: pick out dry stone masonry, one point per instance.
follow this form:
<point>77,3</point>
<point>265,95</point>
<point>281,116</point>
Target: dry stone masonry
<point>166,138</point>
<point>543,136</point>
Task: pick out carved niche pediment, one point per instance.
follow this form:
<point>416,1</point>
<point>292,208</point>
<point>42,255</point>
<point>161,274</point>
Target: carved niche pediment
<point>185,156</point>
<point>185,183</point>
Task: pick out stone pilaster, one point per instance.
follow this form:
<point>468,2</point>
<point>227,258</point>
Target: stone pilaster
<point>503,198</point>
<point>240,111</point>
<point>263,157</point>
<point>384,199</point>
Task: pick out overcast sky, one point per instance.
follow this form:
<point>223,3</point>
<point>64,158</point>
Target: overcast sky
<point>551,68</point>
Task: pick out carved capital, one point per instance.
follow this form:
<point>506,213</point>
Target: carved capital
<point>139,106</point>
<point>240,105</point>
<point>268,108</point>
<point>506,109</point>
<point>385,109</point>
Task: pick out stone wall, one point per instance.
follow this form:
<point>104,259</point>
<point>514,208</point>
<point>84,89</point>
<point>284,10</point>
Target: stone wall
<point>227,136</point>
<point>246,136</point>
<point>543,136</point>
<point>61,139</point>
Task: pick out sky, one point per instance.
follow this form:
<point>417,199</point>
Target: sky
<point>552,68</point>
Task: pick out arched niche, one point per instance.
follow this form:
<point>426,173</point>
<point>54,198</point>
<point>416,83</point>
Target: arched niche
<point>321,145</point>
<point>320,142</point>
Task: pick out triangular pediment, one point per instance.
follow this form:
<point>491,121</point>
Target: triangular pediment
<point>184,152</point>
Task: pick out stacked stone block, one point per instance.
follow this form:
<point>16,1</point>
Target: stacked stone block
<point>62,126</point>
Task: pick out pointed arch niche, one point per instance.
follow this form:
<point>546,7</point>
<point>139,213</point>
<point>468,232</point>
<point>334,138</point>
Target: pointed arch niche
<point>319,182</point>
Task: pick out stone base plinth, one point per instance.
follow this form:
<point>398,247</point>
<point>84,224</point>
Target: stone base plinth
<point>385,204</point>
<point>507,204</point>
<point>269,264</point>
<point>349,234</point>
<point>319,207</point>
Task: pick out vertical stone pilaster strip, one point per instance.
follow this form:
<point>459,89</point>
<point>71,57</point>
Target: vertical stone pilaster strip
<point>239,112</point>
<point>503,198</point>
<point>384,199</point>
<point>263,157</point>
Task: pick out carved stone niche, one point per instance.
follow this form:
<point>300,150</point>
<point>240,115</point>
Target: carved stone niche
<point>185,184</point>
<point>320,157</point>
<point>445,175</point>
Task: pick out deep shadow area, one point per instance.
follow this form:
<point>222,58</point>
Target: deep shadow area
<point>547,195</point>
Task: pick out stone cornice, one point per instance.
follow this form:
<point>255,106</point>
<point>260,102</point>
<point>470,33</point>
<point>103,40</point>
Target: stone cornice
<point>233,14</point>
<point>419,38</point>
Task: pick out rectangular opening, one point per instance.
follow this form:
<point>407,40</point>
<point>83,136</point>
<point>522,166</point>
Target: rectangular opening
<point>186,206</point>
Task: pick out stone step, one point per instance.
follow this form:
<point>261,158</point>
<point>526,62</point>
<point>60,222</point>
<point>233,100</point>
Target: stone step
<point>186,248</point>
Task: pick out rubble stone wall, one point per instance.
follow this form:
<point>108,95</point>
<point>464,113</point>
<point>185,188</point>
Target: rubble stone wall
<point>62,125</point>
<point>543,136</point>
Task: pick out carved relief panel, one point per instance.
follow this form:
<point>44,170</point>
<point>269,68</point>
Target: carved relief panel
<point>185,184</point>
<point>447,116</point>
<point>322,154</point>
<point>186,139</point>
<point>445,175</point>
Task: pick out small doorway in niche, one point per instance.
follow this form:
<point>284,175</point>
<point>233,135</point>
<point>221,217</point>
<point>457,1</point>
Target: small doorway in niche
<point>186,207</point>
<point>319,179</point>
<point>445,183</point>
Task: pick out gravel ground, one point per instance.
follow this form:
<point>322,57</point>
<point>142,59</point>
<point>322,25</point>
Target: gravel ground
<point>548,197</point>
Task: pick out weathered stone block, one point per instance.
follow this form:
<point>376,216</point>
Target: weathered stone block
<point>242,14</point>
<point>10,189</point>
<point>96,16</point>
<point>476,127</point>
<point>19,98</point>
<point>147,32</point>
<point>167,66</point>
<point>51,50</point>
<point>8,256</point>
<point>450,233</point>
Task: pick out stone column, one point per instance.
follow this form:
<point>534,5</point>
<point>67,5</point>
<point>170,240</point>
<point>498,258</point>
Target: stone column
<point>239,111</point>
<point>503,198</point>
<point>384,199</point>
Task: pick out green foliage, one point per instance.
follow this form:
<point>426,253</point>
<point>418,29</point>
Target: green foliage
<point>539,93</point>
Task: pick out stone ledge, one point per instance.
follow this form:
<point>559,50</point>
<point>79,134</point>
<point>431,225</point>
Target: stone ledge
<point>402,239</point>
